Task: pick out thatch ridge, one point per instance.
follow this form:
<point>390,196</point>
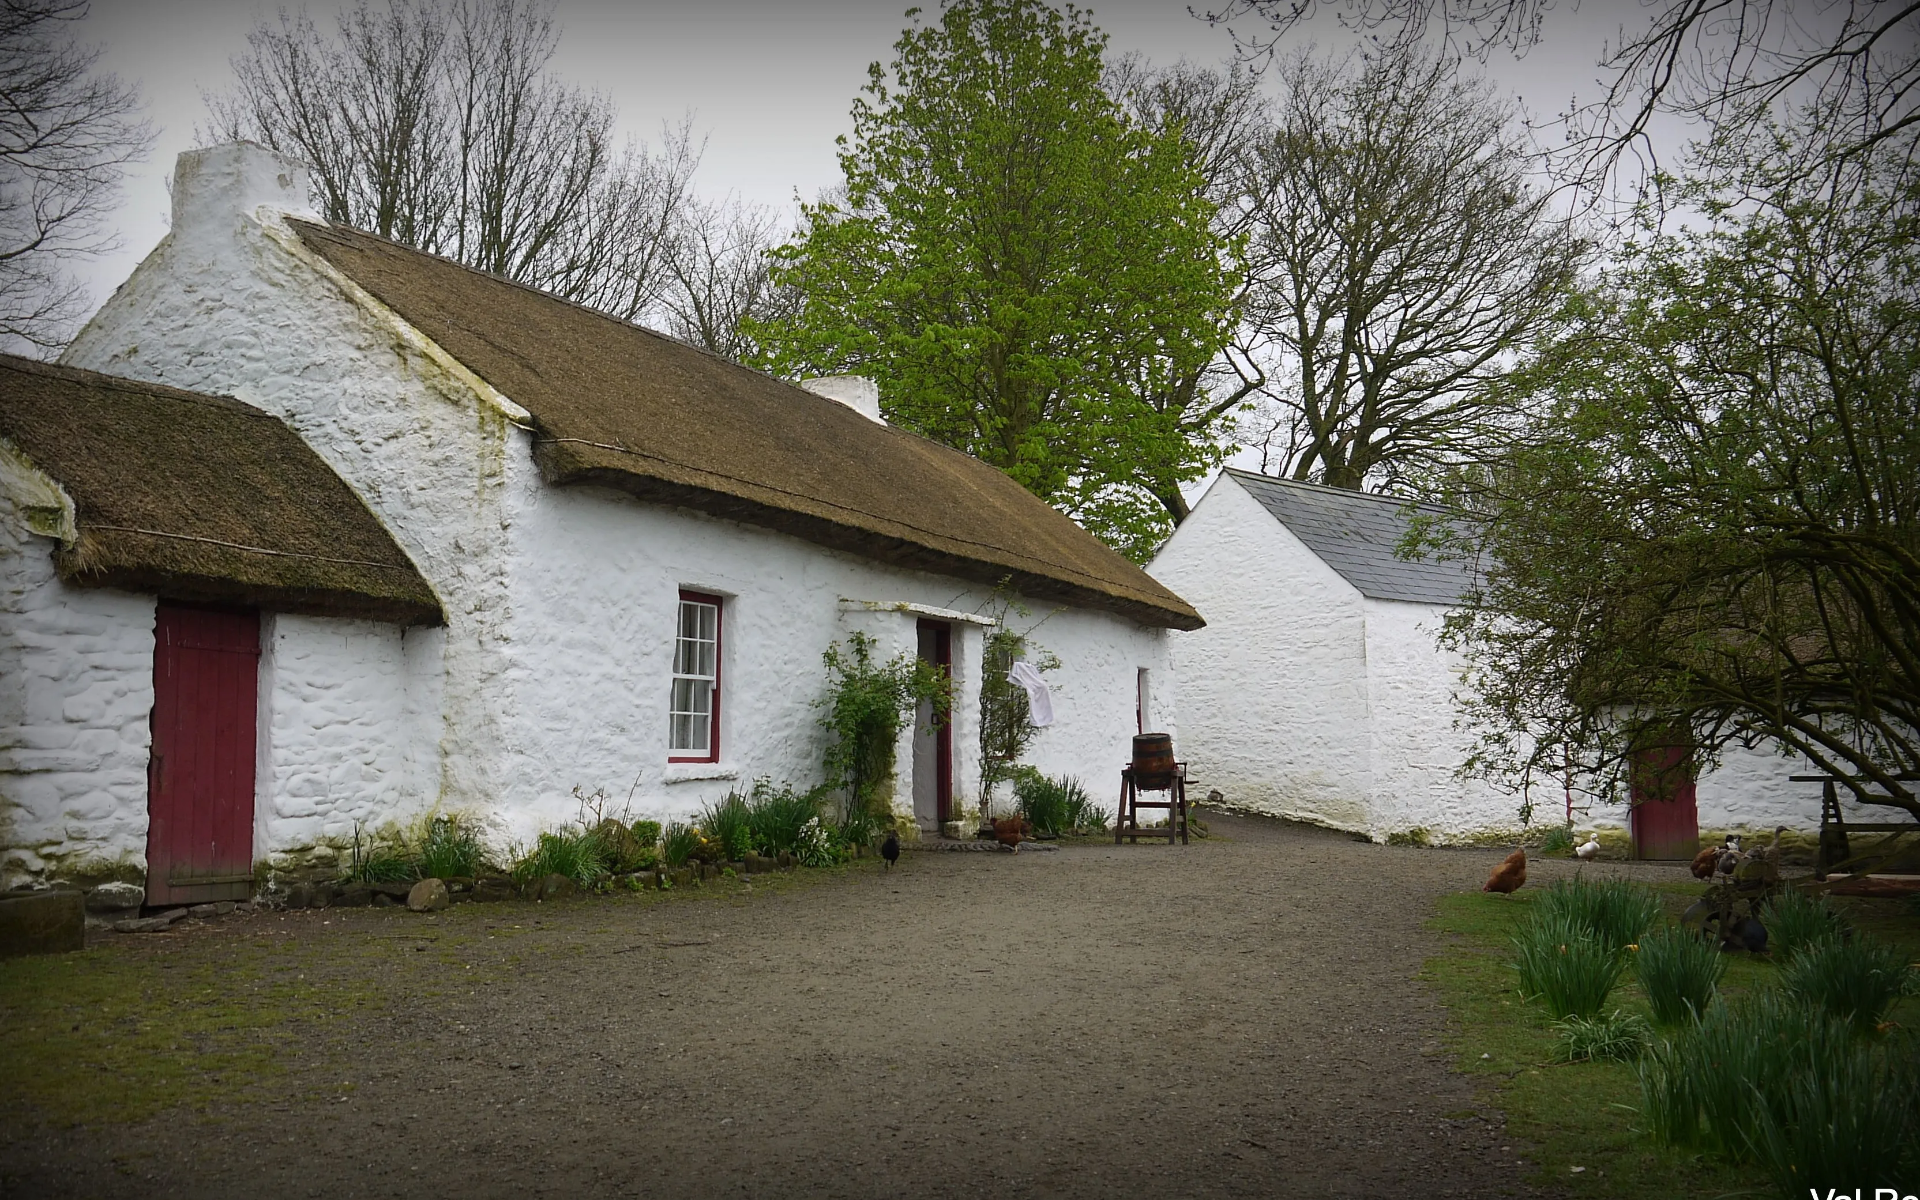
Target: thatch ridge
<point>203,498</point>
<point>620,406</point>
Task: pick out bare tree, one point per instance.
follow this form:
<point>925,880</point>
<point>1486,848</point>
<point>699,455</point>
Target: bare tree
<point>722,277</point>
<point>436,123</point>
<point>1721,62</point>
<point>1399,255</point>
<point>67,133</point>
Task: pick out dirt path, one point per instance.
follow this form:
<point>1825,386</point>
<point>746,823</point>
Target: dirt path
<point>1235,1018</point>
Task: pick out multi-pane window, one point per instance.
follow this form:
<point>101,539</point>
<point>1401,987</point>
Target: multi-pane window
<point>695,735</point>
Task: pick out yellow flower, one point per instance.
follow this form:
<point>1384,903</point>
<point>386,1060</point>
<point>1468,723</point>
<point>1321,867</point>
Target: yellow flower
<point>1634,946</point>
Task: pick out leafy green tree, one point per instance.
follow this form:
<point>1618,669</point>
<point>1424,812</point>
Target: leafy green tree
<point>1716,522</point>
<point>1029,273</point>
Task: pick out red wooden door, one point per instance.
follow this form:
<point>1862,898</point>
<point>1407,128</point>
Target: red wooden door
<point>200,776</point>
<point>936,647</point>
<point>1665,819</point>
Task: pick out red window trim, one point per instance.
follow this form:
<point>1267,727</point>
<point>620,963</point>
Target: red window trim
<point>719,642</point>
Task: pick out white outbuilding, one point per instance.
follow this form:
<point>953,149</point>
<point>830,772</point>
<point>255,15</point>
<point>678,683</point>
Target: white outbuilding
<point>1319,690</point>
<point>641,550</point>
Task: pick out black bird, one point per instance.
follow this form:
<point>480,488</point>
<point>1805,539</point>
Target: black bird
<point>890,849</point>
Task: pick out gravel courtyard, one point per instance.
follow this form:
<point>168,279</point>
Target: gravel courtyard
<point>1239,1017</point>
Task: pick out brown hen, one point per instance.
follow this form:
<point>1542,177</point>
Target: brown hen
<point>1509,875</point>
<point>1011,831</point>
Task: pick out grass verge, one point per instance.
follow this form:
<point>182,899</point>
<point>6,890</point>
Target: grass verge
<point>1586,1114</point>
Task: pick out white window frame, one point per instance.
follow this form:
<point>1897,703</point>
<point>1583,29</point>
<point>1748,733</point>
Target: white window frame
<point>681,645</point>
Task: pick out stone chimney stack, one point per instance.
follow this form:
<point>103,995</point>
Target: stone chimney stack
<point>213,189</point>
<point>857,392</point>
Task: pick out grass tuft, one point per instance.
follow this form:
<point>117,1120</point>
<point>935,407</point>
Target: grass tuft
<point>1615,911</point>
<point>451,848</point>
<point>1796,921</point>
<point>573,852</point>
<point>1557,842</point>
<point>1852,981</point>
<point>1679,974</point>
<point>1564,967</point>
<point>1616,1037</point>
<point>729,826</point>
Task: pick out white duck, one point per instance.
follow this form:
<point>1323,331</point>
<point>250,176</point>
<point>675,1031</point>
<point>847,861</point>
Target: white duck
<point>1588,849</point>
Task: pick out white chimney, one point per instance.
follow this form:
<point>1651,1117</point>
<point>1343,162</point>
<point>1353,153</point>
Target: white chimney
<point>215,187</point>
<point>857,392</point>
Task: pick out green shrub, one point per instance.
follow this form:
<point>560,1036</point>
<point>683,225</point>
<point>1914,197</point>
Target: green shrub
<point>1419,835</point>
<point>1615,911</point>
<point>1082,813</point>
<point>451,848</point>
<point>1557,842</point>
<point>678,843</point>
<point>1852,981</point>
<point>778,815</point>
<point>729,827</point>
<point>1850,1114</point>
<point>1679,973</point>
<point>621,851</point>
<point>381,859</point>
<point>1616,1037</point>
<point>572,851</point>
<point>648,833</point>
<point>1796,920</point>
<point>1055,807</point>
<point>1565,967</point>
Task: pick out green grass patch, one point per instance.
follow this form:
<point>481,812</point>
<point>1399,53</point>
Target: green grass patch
<point>104,1035</point>
<point>1588,1113</point>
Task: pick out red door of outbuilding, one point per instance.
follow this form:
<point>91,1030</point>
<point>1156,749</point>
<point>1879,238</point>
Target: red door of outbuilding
<point>1665,819</point>
<point>200,776</point>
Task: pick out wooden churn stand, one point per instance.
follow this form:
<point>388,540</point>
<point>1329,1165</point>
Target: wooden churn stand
<point>1153,772</point>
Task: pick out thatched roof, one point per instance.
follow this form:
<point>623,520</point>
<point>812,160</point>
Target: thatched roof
<point>203,498</point>
<point>626,408</point>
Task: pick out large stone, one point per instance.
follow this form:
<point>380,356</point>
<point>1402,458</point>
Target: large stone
<point>399,891</point>
<point>555,887</point>
<point>143,925</point>
<point>354,895</point>
<point>429,895</point>
<point>115,897</point>
<point>48,922</point>
<point>219,908</point>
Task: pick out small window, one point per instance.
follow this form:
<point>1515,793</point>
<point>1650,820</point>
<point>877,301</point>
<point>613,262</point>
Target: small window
<point>695,717</point>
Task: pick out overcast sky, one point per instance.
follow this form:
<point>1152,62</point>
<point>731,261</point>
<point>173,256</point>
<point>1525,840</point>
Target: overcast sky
<point>768,82</point>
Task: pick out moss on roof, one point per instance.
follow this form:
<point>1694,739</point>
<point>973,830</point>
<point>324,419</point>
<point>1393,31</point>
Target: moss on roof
<point>203,498</point>
<point>623,407</point>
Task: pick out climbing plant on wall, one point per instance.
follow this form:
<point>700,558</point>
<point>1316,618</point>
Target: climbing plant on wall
<point>866,704</point>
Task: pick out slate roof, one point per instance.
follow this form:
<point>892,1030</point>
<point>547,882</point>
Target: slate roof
<point>1358,535</point>
<point>624,407</point>
<point>203,498</point>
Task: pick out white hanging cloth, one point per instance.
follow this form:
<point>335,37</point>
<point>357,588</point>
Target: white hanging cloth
<point>1039,699</point>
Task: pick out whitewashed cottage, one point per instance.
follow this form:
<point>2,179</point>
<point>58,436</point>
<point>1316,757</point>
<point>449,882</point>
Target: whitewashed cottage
<point>1318,689</point>
<point>640,550</point>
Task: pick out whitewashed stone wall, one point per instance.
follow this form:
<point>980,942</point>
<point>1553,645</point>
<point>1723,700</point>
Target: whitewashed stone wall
<point>76,685</point>
<point>1418,746</point>
<point>337,728</point>
<point>1273,693</point>
<point>597,577</point>
<point>553,671</point>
